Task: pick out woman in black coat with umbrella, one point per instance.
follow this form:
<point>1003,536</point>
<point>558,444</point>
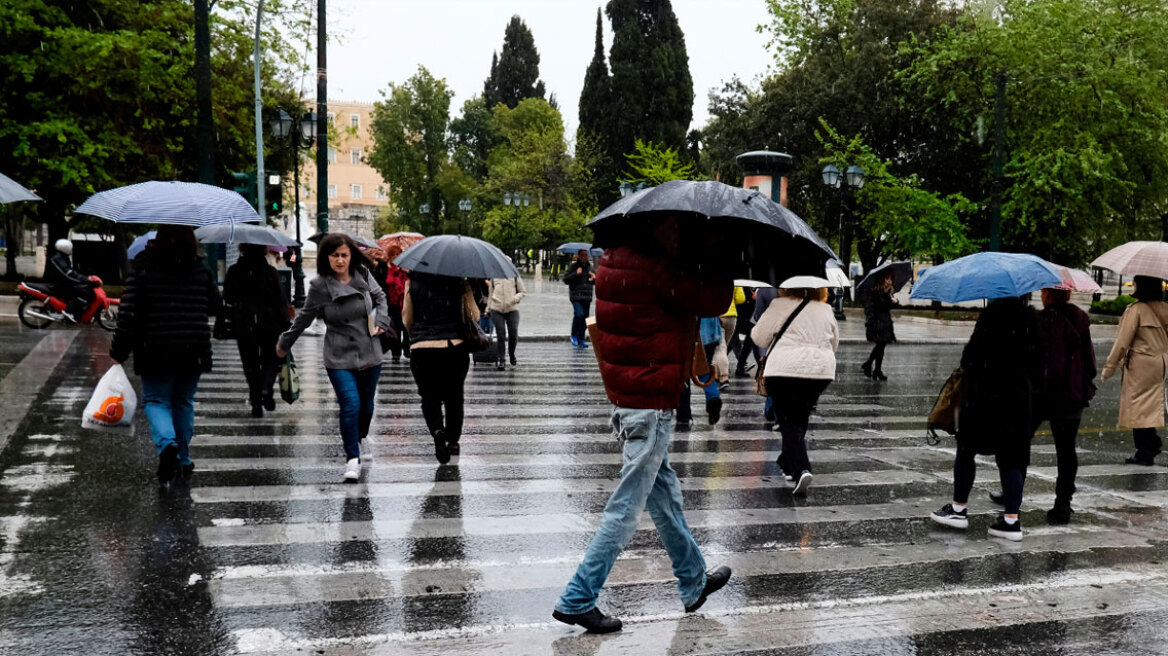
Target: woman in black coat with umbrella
<point>878,304</point>
<point>260,312</point>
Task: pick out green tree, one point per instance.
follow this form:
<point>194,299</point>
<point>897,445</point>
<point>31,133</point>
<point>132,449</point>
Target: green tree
<point>515,74</point>
<point>653,165</point>
<point>409,142</point>
<point>472,137</point>
<point>593,149</point>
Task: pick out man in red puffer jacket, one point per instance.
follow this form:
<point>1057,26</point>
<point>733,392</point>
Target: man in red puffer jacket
<point>647,309</point>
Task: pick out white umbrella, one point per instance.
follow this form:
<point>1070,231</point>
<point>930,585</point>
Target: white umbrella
<point>12,192</point>
<point>805,282</point>
<point>1137,258</point>
<point>837,277</point>
<point>170,203</point>
<point>743,282</point>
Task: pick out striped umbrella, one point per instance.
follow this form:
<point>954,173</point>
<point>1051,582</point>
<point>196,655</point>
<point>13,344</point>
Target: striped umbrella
<point>1137,258</point>
<point>170,203</point>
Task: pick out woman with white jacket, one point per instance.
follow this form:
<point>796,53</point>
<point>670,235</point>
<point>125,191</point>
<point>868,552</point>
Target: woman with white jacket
<point>800,364</point>
<point>503,306</point>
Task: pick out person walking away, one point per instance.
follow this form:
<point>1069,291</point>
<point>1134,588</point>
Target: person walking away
<point>763,297</point>
<point>721,359</point>
<point>646,320</point>
<point>352,305</point>
<point>66,283</point>
<point>580,280</point>
<point>1002,364</point>
<point>396,279</point>
<point>1069,366</point>
<point>710,333</point>
<point>878,306</point>
<point>162,323</point>
<point>800,364</point>
<point>1141,352</point>
<point>742,345</point>
<point>255,298</point>
<point>436,311</point>
<point>506,294</point>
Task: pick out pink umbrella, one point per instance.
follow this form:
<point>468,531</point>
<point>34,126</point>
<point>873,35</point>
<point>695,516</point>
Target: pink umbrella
<point>1137,258</point>
<point>1077,280</point>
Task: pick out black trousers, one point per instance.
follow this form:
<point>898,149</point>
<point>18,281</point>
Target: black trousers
<point>794,399</point>
<point>876,357</point>
<point>257,351</point>
<point>402,343</point>
<point>1147,441</point>
<point>1065,429</point>
<point>1013,478</point>
<point>440,374</point>
<point>506,327</point>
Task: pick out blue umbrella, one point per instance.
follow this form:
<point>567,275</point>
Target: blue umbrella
<point>986,275</point>
<point>573,247</point>
<point>139,244</point>
<point>170,203</point>
<point>457,256</point>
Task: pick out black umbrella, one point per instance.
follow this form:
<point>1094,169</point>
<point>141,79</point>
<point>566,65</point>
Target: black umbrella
<point>901,273</point>
<point>766,241</point>
<point>457,256</point>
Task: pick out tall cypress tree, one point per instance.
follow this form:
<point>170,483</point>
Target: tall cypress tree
<point>593,145</point>
<point>515,75</point>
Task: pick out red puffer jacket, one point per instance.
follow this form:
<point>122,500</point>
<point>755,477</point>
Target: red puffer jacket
<point>395,285</point>
<point>647,313</point>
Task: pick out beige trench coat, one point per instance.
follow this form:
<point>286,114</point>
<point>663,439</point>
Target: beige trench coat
<point>1141,352</point>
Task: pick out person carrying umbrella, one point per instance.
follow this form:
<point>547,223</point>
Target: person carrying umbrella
<point>878,304</point>
<point>1141,353</point>
<point>580,280</point>
<point>253,292</point>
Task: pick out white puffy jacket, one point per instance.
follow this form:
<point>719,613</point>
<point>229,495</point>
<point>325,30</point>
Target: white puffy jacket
<point>506,293</point>
<point>807,349</point>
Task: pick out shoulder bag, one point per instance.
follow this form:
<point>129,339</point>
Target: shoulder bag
<point>473,336</point>
<point>947,407</point>
<point>759,378</point>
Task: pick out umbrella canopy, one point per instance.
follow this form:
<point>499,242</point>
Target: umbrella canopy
<point>457,256</point>
<point>170,203</point>
<point>1137,258</point>
<point>139,244</point>
<point>360,241</point>
<point>393,244</point>
<point>753,284</point>
<point>805,282</point>
<point>766,240</point>
<point>243,234</point>
<point>12,192</point>
<point>836,276</point>
<point>901,274</point>
<point>1077,280</point>
<point>573,247</point>
<point>986,275</point>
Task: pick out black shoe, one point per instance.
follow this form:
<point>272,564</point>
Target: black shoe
<point>1141,458</point>
<point>741,373</point>
<point>167,463</point>
<point>500,366</point>
<point>270,403</point>
<point>723,385</point>
<point>1011,532</point>
<point>593,621</point>
<point>714,409</point>
<point>453,448</point>
<point>947,516</point>
<point>257,410</point>
<point>188,469</point>
<point>513,361</point>
<point>715,580</point>
<point>1060,514</point>
<point>998,497</point>
<point>867,369</point>
<point>441,450</point>
<point>879,375</point>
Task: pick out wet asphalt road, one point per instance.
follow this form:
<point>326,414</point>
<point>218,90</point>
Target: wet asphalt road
<point>265,551</point>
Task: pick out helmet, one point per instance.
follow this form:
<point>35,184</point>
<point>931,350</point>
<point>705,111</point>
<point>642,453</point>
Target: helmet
<point>64,246</point>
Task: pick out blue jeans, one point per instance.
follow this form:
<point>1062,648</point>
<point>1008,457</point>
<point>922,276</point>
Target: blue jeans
<point>684,413</point>
<point>646,480</point>
<point>169,404</point>
<point>579,320</point>
<point>356,390</point>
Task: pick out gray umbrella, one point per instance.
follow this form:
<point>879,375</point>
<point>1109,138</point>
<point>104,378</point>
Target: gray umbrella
<point>12,192</point>
<point>901,273</point>
<point>457,256</point>
<point>243,233</point>
<point>767,241</point>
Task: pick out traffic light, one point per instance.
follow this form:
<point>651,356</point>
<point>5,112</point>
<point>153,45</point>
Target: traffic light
<point>274,197</point>
<point>245,185</point>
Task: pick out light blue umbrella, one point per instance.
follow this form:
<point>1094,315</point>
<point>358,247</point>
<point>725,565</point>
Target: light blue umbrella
<point>573,247</point>
<point>986,275</point>
<point>139,244</point>
<point>170,203</point>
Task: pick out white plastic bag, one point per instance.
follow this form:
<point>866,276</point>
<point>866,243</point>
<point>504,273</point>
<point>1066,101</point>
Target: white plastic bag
<point>111,408</point>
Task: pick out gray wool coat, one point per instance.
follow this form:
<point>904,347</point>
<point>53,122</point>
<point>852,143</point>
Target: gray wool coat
<point>345,309</point>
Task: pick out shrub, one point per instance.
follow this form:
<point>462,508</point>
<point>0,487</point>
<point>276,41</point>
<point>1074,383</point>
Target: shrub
<point>1112,306</point>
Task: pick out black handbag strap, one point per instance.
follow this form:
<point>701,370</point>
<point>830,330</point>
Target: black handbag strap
<point>786,324</point>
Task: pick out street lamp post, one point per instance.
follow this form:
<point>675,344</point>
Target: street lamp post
<point>515,198</point>
<point>464,206</point>
<point>282,127</point>
<point>843,184</point>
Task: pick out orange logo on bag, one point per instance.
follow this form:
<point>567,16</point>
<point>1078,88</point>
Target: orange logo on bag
<point>111,410</point>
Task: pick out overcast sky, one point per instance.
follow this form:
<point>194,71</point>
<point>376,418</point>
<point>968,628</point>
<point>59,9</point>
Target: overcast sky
<point>384,41</point>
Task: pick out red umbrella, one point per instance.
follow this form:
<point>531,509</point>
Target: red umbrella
<point>394,244</point>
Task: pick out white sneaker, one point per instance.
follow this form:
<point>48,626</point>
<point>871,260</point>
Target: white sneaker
<point>803,484</point>
<point>352,470</point>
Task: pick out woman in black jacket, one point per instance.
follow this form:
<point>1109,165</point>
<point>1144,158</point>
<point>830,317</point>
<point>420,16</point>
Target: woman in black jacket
<point>878,324</point>
<point>260,312</point>
<point>162,322</point>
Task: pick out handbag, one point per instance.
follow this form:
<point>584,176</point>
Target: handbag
<point>289,380</point>
<point>473,336</point>
<point>224,324</point>
<point>700,366</point>
<point>759,378</point>
<point>947,407</point>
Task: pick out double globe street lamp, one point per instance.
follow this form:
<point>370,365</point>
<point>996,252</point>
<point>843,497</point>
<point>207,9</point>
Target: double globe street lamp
<point>844,184</point>
<point>281,126</point>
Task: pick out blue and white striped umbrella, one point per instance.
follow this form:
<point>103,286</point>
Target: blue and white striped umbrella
<point>170,203</point>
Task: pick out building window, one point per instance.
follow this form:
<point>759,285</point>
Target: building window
<point>332,155</point>
<point>355,192</point>
<point>332,118</point>
<point>381,195</point>
<point>355,120</point>
<point>354,155</point>
<point>332,191</point>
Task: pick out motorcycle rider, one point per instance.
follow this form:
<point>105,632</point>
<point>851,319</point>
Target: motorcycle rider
<point>66,283</point>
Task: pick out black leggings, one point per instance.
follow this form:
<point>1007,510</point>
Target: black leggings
<point>1065,429</point>
<point>1013,478</point>
<point>1147,441</point>
<point>257,352</point>
<point>794,399</point>
<point>876,357</point>
<point>440,374</point>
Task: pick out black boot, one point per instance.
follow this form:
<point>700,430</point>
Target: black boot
<point>867,368</point>
<point>441,450</point>
<point>1060,514</point>
<point>593,621</point>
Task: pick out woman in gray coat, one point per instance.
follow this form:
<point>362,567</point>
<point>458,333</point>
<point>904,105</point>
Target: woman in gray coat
<point>354,310</point>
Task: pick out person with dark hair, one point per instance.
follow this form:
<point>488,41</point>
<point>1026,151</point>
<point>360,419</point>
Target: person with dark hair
<point>396,279</point>
<point>436,312</point>
<point>162,322</point>
<point>580,280</point>
<point>1003,369</point>
<point>878,304</point>
<point>1141,352</point>
<point>259,311</point>
<point>352,305</point>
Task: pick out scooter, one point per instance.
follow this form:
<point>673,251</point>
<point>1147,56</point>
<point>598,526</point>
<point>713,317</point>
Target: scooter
<point>40,309</point>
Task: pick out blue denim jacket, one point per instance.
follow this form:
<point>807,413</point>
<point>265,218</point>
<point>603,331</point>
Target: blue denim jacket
<point>711,330</point>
